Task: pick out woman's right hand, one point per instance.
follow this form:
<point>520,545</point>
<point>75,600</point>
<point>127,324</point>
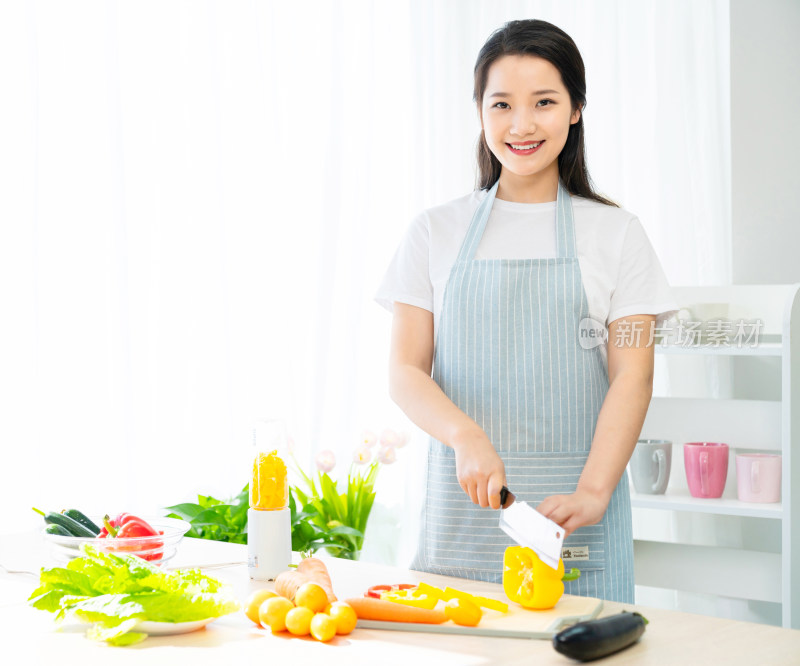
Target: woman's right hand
<point>479,469</point>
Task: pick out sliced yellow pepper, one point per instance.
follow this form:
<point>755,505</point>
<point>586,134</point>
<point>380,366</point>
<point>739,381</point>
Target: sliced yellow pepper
<point>269,489</point>
<point>411,597</point>
<point>483,602</point>
<point>451,593</point>
<point>529,581</point>
<point>431,591</point>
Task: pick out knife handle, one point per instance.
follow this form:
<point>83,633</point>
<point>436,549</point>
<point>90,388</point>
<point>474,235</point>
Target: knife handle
<point>506,497</point>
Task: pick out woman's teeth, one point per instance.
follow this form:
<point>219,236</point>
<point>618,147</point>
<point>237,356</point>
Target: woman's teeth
<point>525,148</point>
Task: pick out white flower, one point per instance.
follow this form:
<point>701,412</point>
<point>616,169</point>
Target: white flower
<point>386,455</point>
<point>402,439</point>
<point>325,461</point>
<point>362,455</point>
<point>389,437</point>
<point>368,438</point>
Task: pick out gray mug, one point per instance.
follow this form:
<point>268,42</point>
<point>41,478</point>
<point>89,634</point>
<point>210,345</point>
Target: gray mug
<point>650,465</point>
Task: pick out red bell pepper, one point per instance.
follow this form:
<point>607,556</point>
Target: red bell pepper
<point>127,526</point>
<point>135,527</point>
<point>376,590</point>
<point>109,528</point>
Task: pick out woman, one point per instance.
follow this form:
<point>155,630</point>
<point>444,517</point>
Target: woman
<point>489,294</point>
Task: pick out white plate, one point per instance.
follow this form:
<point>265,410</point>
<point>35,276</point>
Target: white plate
<point>169,628</point>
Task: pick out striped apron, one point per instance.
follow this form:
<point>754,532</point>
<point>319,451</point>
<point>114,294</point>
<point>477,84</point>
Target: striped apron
<point>507,354</point>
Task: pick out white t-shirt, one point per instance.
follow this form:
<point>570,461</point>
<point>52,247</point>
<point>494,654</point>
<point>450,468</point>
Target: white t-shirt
<point>620,270</point>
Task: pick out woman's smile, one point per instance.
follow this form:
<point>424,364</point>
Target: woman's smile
<point>525,148</point>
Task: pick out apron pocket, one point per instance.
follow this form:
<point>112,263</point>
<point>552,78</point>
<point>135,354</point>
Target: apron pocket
<point>534,476</point>
<point>458,538</point>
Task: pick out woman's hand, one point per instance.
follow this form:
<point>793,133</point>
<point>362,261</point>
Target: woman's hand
<point>573,511</point>
<point>479,470</point>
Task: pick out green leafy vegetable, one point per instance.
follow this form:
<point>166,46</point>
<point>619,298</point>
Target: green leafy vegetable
<point>214,519</point>
<point>115,592</point>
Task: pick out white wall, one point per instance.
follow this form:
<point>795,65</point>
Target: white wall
<point>765,140</point>
<point>765,200</point>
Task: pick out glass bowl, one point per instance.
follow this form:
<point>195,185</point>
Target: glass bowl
<point>155,549</point>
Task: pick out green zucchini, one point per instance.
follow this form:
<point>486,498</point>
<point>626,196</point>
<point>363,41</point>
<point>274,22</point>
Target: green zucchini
<point>57,529</point>
<point>72,526</point>
<point>83,519</point>
<point>593,639</point>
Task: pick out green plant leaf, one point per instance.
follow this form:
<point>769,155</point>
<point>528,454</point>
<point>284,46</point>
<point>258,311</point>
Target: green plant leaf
<point>185,511</point>
<point>331,493</point>
<point>345,530</point>
<point>364,510</point>
<point>352,496</point>
<point>301,496</point>
<point>207,501</point>
<point>210,517</point>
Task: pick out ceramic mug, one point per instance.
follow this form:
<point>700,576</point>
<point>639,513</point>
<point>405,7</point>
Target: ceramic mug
<point>758,477</point>
<point>706,466</point>
<point>650,465</point>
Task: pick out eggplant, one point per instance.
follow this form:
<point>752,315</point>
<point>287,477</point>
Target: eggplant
<point>598,638</point>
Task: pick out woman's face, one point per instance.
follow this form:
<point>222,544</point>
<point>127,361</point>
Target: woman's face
<point>526,113</point>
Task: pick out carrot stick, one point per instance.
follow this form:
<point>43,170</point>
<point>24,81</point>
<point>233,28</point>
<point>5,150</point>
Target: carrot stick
<point>369,608</point>
<point>310,570</point>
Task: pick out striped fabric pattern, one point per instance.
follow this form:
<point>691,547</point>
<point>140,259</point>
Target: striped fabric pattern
<point>508,355</point>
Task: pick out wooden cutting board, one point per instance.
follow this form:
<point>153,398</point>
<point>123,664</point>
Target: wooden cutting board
<point>519,622</point>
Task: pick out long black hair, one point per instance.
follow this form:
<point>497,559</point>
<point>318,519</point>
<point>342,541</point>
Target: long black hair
<point>542,39</point>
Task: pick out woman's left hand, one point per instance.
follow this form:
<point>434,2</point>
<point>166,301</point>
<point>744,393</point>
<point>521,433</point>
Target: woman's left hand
<point>573,511</point>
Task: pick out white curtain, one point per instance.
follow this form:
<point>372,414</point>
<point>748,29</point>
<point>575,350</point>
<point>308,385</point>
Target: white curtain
<point>199,199</point>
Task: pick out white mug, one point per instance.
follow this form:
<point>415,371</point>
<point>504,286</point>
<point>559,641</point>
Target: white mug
<point>758,477</point>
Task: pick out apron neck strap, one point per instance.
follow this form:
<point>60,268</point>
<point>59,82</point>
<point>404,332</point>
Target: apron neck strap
<point>565,225</point>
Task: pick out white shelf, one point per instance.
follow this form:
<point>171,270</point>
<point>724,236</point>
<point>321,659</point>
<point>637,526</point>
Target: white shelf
<point>760,424</point>
<point>709,570</point>
<point>741,424</point>
<point>680,500</point>
<point>762,349</point>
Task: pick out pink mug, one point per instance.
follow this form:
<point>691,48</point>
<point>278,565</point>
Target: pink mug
<point>706,466</point>
<point>758,477</point>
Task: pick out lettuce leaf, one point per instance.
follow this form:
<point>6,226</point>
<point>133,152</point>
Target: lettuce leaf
<point>116,592</point>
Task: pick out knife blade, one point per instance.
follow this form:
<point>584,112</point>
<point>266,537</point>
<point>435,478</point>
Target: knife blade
<point>530,528</point>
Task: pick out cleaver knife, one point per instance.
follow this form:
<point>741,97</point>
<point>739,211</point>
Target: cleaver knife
<point>530,528</point>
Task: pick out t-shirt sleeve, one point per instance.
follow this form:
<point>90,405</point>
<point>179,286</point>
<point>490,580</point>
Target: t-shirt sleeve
<point>642,286</point>
<point>407,279</point>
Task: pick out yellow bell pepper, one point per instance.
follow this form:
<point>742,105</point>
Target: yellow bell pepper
<point>529,581</point>
<point>412,597</point>
<point>451,593</point>
<point>483,602</point>
<point>431,590</point>
<point>269,489</point>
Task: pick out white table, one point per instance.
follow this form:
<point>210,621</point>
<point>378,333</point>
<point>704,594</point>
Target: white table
<point>671,638</point>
